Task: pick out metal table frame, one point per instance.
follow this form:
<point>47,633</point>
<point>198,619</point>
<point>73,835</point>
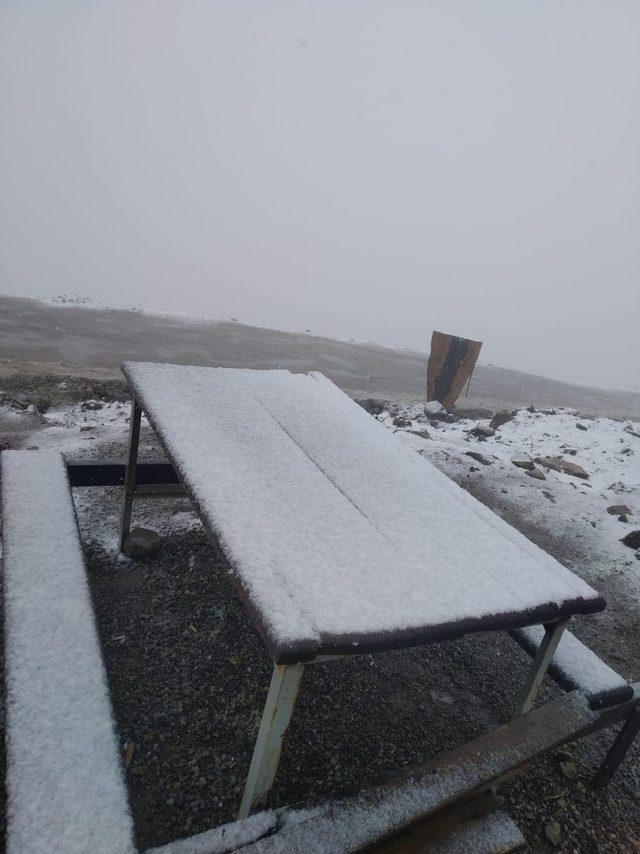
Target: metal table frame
<point>286,678</point>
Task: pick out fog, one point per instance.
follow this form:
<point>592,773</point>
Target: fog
<point>369,170</point>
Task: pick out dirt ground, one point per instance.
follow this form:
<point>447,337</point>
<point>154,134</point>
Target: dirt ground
<point>188,677</point>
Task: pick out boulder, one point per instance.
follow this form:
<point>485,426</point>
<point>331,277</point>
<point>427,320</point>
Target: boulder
<point>401,421</point>
<point>478,458</point>
<point>424,434</point>
<point>632,539</point>
<point>500,418</point>
<point>141,543</point>
<point>524,464</point>
<point>562,465</point>
<point>581,426</point>
<point>483,431</point>
<point>536,473</point>
<point>373,407</point>
<point>619,510</point>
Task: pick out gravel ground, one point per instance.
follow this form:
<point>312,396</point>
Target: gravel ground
<point>189,676</point>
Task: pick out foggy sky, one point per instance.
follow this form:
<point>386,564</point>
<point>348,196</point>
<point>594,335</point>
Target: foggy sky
<point>361,168</point>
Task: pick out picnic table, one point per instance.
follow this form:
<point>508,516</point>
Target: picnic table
<point>340,539</point>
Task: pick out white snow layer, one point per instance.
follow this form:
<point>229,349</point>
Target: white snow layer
<point>223,839</point>
<point>66,791</point>
<point>327,520</point>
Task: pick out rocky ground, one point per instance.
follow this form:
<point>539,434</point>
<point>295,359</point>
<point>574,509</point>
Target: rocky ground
<point>188,674</point>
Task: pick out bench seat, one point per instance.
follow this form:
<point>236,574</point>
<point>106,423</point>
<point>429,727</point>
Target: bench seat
<point>65,786</point>
<point>576,667</point>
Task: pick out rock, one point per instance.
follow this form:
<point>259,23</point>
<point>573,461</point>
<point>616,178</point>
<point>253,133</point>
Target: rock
<point>619,510</point>
<point>536,473</point>
<point>581,426</point>
<point>569,769</point>
<point>92,405</point>
<point>478,458</point>
<point>638,555</point>
<point>434,408</point>
<point>373,407</point>
<point>562,465</point>
<point>629,429</point>
<point>500,418</point>
<point>473,468</point>
<point>424,434</point>
<point>553,833</point>
<point>483,431</point>
<point>141,542</point>
<point>86,428</point>
<point>623,518</point>
<point>524,464</point>
<point>632,539</point>
<point>401,421</point>
<point>549,495</point>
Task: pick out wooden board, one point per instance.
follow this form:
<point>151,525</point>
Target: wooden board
<point>451,363</point>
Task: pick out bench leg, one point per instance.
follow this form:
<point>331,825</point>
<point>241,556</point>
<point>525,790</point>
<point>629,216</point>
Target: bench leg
<point>618,750</point>
<point>278,709</point>
<point>130,472</point>
<point>544,657</point>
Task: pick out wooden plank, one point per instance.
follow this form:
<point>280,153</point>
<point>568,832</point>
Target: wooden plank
<point>419,791</point>
<point>451,363</point>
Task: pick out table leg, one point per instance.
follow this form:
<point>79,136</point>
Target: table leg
<point>618,750</point>
<point>130,472</point>
<point>544,657</point>
<point>283,690</point>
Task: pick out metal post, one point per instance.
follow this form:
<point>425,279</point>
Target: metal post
<point>283,690</point>
<point>618,750</point>
<point>130,473</point>
<point>544,657</point>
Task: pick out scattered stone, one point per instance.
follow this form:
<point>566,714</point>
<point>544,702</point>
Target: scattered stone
<point>623,518</point>
<point>553,833</point>
<point>536,473</point>
<point>524,464</point>
<point>401,421</point>
<point>619,510</point>
<point>433,408</point>
<point>549,495</point>
<point>569,769</point>
<point>483,431</point>
<point>373,407</point>
<point>500,418</point>
<point>632,539</point>
<point>141,543</point>
<point>92,405</point>
<point>478,457</point>
<point>581,426</point>
<point>619,488</point>
<point>562,465</point>
<point>424,434</point>
<point>473,468</point>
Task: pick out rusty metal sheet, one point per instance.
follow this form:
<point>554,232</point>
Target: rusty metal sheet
<point>451,363</point>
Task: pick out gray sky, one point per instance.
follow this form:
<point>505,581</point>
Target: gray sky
<point>361,168</point>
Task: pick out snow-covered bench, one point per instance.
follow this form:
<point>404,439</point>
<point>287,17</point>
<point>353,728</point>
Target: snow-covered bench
<point>576,667</point>
<point>65,787</point>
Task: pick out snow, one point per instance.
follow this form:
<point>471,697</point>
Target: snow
<point>576,665</point>
<point>570,509</point>
<point>223,839</point>
<point>331,526</point>
<point>65,786</point>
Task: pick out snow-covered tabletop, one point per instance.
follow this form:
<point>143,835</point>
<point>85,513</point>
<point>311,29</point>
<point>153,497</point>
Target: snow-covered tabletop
<point>341,539</point>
